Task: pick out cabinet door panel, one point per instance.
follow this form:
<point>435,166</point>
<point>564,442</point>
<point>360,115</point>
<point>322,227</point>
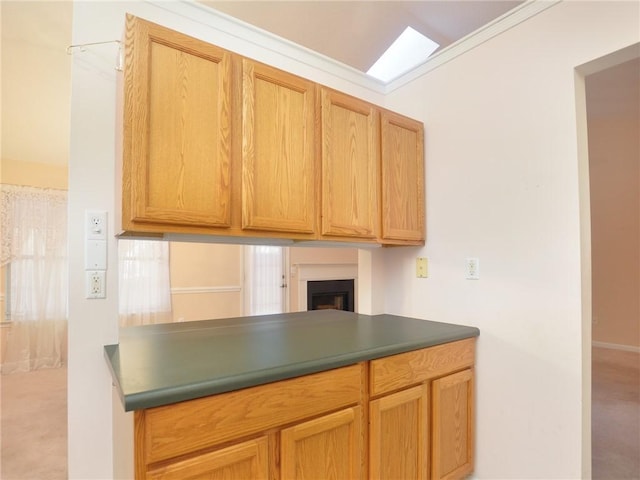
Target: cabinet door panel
<point>278,156</point>
<point>328,447</point>
<point>350,167</point>
<point>176,129</point>
<point>402,178</point>
<point>452,454</point>
<point>399,435</point>
<point>238,462</point>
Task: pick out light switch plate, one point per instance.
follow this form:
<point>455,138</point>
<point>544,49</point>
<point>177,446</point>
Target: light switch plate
<point>95,255</point>
<point>422,267</point>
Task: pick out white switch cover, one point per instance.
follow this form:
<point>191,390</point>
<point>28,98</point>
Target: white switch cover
<point>95,255</point>
<point>422,267</point>
<point>472,268</point>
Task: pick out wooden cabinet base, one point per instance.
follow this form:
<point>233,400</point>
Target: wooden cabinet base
<point>399,443</point>
<point>453,426</point>
<point>328,447</point>
<point>406,416</point>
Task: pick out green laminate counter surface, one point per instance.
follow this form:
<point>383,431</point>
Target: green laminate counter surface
<point>157,365</point>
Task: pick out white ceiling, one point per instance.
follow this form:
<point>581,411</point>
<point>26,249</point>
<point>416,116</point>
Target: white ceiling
<point>358,32</point>
<point>36,70</point>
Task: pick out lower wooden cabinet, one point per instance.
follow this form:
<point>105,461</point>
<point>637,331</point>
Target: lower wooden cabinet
<point>453,433</point>
<point>242,461</point>
<point>329,447</point>
<point>399,435</point>
<point>408,416</point>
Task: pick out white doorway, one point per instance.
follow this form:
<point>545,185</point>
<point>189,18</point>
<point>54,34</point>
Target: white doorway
<point>266,288</point>
<point>610,156</point>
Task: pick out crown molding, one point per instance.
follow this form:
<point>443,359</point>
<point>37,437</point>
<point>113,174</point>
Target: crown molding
<point>492,29</point>
<point>244,38</point>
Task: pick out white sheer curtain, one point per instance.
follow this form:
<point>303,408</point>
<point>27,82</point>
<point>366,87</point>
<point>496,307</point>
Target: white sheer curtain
<point>144,283</point>
<point>34,250</point>
<point>265,270</point>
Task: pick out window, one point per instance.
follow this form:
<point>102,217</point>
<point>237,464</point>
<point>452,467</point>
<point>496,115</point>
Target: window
<point>408,51</point>
<point>34,255</point>
<point>144,282</point>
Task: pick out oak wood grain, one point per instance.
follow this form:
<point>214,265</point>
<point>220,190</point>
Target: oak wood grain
<point>453,426</point>
<point>246,460</point>
<point>279,166</point>
<point>399,435</point>
<point>327,448</point>
<point>402,173</point>
<point>189,426</point>
<point>176,165</point>
<point>410,368</point>
<point>350,166</point>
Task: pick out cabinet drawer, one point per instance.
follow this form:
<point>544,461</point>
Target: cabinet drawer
<point>410,368</point>
<point>172,430</point>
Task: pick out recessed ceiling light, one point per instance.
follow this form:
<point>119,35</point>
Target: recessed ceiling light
<point>409,50</point>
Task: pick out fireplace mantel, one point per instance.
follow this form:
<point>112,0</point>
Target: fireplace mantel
<point>324,271</point>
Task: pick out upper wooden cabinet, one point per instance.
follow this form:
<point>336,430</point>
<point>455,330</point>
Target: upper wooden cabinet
<point>217,144</point>
<point>350,167</point>
<point>402,179</point>
<point>278,155</point>
<point>177,128</point>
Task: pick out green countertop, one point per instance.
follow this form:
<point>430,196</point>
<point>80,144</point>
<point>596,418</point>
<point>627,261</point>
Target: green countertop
<point>160,364</point>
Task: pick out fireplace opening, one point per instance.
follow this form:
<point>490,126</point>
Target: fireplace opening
<point>330,294</point>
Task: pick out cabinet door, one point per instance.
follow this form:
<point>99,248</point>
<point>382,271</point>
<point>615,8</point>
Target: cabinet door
<point>399,435</point>
<point>350,167</point>
<point>402,179</point>
<point>453,434</point>
<point>278,154</point>
<point>238,462</point>
<point>328,447</point>
<point>176,145</point>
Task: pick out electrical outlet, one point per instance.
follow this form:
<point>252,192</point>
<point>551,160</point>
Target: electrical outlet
<point>422,267</point>
<point>472,268</point>
<point>95,284</point>
<point>95,222</point>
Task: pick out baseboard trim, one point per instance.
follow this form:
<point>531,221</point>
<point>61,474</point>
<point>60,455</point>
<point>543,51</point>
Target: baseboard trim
<point>616,346</point>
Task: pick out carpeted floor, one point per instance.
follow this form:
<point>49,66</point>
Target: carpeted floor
<point>33,420</point>
<point>615,420</point>
<point>33,425</point>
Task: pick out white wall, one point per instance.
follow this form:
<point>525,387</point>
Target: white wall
<point>502,184</point>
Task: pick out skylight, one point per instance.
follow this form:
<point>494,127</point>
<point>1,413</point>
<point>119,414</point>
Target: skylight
<point>409,50</point>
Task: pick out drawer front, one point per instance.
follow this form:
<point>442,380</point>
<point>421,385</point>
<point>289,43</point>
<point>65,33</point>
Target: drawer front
<point>410,368</point>
<point>185,427</point>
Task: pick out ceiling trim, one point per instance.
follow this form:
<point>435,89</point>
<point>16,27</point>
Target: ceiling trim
<point>251,37</point>
<point>226,27</point>
<point>501,24</point>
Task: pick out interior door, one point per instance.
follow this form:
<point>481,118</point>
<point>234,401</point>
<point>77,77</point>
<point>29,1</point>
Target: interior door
<point>266,281</point>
